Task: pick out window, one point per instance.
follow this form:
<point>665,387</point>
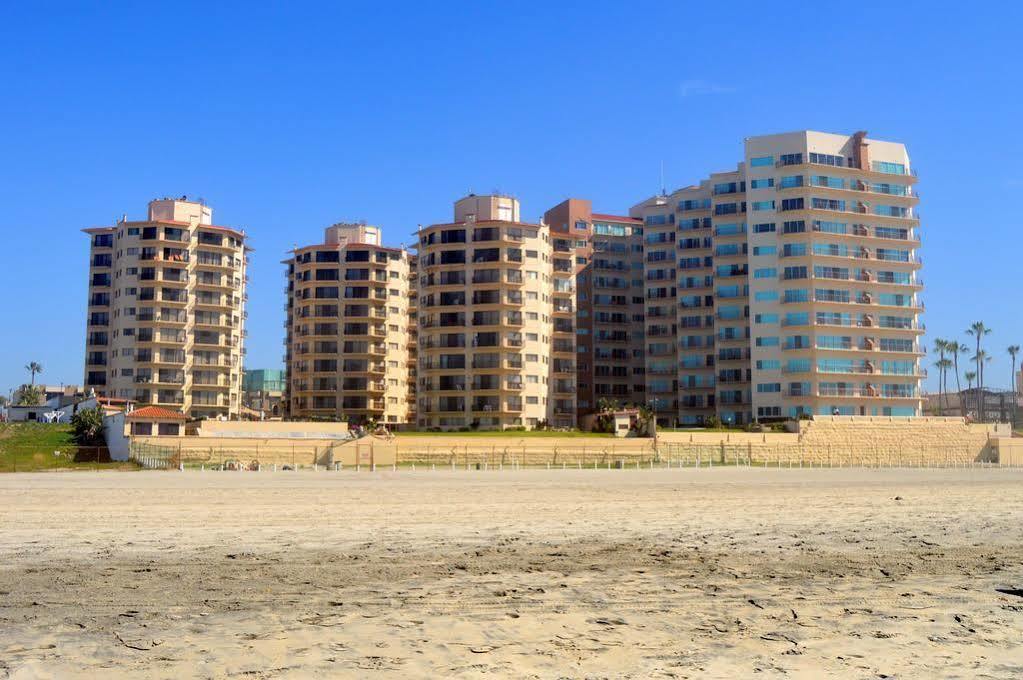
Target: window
<point>891,211</point>
<point>729,229</point>
<point>766,273</point>
<point>829,182</point>
<point>791,159</point>
<point>888,167</point>
<point>763,205</point>
<point>768,364</point>
<point>765,250</point>
<point>827,204</point>
<point>764,183</point>
<point>765,318</point>
<point>767,388</point>
<point>767,341</point>
<point>763,228</point>
<point>765,296</point>
<point>827,159</point>
<point>761,161</point>
<point>797,319</point>
<point>794,273</point>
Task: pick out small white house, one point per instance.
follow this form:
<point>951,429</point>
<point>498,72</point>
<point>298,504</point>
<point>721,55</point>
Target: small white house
<point>54,410</point>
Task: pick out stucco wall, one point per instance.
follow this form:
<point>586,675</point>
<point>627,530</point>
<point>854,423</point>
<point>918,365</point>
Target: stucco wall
<point>303,452</point>
<point>272,429</point>
<point>826,441</point>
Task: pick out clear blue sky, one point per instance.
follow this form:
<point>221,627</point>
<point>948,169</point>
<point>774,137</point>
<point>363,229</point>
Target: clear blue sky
<point>289,120</point>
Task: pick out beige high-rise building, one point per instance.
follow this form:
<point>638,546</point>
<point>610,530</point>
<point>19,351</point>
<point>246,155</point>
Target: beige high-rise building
<point>803,262</point>
<point>496,321</point>
<point>166,311</point>
<point>349,331</point>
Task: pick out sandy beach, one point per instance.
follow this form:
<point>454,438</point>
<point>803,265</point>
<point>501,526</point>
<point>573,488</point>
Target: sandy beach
<point>546,574</point>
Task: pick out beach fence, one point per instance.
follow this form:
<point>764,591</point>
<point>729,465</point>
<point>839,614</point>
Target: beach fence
<point>541,452</point>
<point>798,455</point>
<point>509,453</point>
<point>37,457</point>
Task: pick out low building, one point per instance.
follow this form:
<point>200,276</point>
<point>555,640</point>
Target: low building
<point>56,409</point>
<point>998,405</point>
<point>262,392</point>
<point>155,421</point>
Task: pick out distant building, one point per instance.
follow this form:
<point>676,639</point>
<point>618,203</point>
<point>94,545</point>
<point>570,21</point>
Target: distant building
<point>166,312</point>
<point>607,261</point>
<point>496,317</point>
<point>999,405</point>
<point>795,276</point>
<point>262,391</point>
<point>348,328</point>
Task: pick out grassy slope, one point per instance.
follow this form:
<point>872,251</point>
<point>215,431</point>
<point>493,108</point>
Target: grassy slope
<point>26,447</point>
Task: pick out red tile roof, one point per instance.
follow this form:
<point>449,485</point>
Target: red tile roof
<point>155,413</point>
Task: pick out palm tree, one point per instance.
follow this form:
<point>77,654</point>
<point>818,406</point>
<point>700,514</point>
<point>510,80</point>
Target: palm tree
<point>942,365</point>
<point>969,375</point>
<point>978,330</point>
<point>1013,351</point>
<point>941,346</point>
<point>34,367</point>
<point>981,358</point>
<point>956,348</point>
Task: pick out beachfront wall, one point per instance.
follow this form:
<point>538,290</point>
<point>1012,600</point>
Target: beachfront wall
<point>824,441</point>
<point>254,452</point>
<point>1009,451</point>
<point>854,440</point>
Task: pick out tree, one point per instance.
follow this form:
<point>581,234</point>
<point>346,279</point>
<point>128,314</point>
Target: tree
<point>982,359</point>
<point>978,330</point>
<point>970,375</point>
<point>956,348</point>
<point>33,367</point>
<point>644,420</point>
<point>1013,351</point>
<point>28,395</point>
<point>942,364</point>
<point>604,422</point>
<point>87,427</point>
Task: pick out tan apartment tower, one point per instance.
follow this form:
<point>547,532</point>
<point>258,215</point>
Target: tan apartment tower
<point>496,321</point>
<point>349,332</point>
<point>798,281</point>
<point>166,310</point>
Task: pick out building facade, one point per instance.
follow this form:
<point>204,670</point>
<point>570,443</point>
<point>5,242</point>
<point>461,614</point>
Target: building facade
<point>166,310</point>
<point>797,281</point>
<point>496,318</point>
<point>348,328</point>
<point>606,252</point>
<point>263,392</point>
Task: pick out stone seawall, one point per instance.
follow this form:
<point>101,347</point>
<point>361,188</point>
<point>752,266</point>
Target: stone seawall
<point>823,441</point>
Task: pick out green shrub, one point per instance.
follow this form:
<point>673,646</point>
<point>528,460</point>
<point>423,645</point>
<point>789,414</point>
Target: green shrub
<point>87,427</point>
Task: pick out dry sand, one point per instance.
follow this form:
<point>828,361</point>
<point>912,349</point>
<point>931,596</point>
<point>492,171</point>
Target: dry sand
<point>681,573</point>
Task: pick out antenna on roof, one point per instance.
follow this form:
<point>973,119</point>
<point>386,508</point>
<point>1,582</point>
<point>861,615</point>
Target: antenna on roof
<point>663,190</point>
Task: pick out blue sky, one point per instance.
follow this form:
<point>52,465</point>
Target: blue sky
<point>288,117</point>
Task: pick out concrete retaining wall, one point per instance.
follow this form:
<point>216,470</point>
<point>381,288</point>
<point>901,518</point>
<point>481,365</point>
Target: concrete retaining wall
<point>824,441</point>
